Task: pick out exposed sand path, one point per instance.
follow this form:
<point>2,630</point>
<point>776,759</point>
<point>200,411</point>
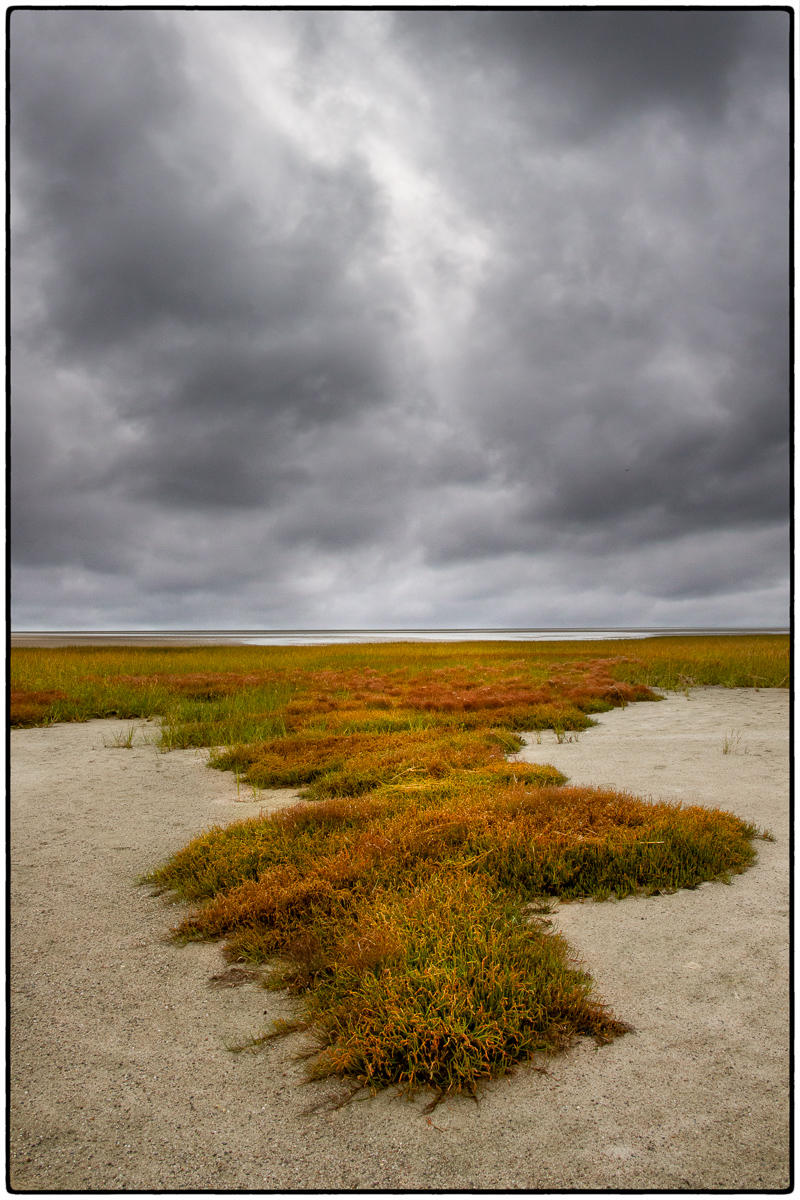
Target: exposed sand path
<point>120,1074</point>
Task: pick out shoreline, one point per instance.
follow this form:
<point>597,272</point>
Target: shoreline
<point>52,639</point>
<point>120,1073</point>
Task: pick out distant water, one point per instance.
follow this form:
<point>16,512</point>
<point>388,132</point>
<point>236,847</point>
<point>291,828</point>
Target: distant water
<point>331,636</point>
<point>318,637</point>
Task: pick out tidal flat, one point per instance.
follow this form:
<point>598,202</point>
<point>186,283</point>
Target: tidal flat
<point>706,977</point>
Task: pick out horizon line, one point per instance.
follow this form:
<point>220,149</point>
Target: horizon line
<point>412,629</point>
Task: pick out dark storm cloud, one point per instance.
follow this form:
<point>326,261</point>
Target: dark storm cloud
<point>423,317</point>
<point>601,66</point>
<point>146,232</point>
<point>635,340</point>
<point>235,318</point>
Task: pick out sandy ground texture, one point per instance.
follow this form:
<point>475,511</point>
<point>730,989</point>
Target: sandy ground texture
<point>121,1073</point>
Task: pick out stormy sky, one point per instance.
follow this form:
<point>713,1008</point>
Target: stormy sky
<point>385,319</point>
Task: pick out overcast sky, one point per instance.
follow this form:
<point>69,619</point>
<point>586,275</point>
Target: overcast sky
<point>466,318</point>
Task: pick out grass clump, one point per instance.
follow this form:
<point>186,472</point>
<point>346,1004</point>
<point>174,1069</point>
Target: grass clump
<point>401,915</point>
<point>328,764</point>
<point>446,986</point>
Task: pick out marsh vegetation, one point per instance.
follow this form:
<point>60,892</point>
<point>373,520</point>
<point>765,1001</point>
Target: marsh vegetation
<point>403,902</point>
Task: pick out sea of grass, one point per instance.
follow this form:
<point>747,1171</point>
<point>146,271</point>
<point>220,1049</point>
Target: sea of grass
<point>405,903</point>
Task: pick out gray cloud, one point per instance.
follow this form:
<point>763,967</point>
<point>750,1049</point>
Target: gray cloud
<point>575,72</point>
<point>399,318</point>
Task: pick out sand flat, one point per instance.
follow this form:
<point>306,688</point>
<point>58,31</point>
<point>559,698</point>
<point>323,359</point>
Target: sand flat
<point>120,1073</point>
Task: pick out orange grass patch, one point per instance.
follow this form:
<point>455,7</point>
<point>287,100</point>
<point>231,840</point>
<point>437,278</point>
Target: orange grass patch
<point>400,915</point>
<point>352,763</point>
<point>31,708</point>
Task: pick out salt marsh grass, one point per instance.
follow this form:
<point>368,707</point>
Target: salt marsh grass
<point>402,905</point>
<point>122,741</point>
<point>732,743</point>
<point>404,917</point>
<point>80,683</point>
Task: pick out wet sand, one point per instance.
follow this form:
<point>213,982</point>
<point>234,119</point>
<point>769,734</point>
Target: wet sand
<point>121,1076</point>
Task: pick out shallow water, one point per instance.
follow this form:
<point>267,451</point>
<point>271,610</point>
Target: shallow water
<point>311,637</point>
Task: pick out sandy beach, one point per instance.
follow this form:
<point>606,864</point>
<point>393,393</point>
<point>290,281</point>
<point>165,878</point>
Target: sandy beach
<point>121,1072</point>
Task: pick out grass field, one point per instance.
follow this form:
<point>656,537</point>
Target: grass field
<point>405,905</point>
